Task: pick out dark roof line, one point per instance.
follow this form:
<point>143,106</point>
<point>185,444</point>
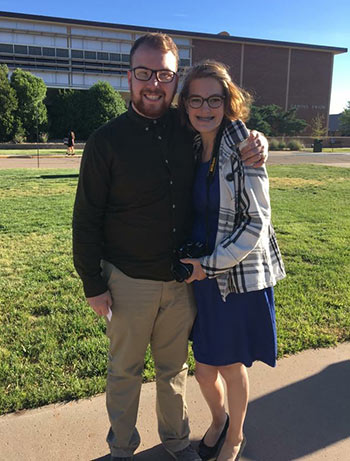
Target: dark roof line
<point>335,50</point>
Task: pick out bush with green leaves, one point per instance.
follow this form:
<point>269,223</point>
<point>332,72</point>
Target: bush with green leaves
<point>82,110</point>
<point>273,144</point>
<point>31,110</point>
<point>282,145</point>
<point>344,120</point>
<point>294,144</point>
<point>8,106</point>
<point>103,103</point>
<point>272,120</point>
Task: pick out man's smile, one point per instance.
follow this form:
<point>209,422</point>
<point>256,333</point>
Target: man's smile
<point>153,97</point>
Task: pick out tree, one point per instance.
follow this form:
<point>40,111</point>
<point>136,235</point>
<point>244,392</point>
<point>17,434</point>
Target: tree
<point>82,110</point>
<point>103,103</point>
<point>272,120</point>
<point>66,112</point>
<point>257,121</point>
<point>318,126</point>
<point>8,106</point>
<point>290,125</point>
<point>31,111</point>
<point>344,120</point>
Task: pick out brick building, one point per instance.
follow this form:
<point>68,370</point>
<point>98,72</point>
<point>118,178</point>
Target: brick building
<point>69,53</point>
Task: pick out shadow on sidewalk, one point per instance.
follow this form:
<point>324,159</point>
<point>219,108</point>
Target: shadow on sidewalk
<point>302,418</point>
<point>155,453</point>
<point>293,422</point>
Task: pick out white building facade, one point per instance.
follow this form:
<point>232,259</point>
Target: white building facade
<point>71,53</point>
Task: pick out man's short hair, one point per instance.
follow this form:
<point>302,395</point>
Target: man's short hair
<point>157,41</point>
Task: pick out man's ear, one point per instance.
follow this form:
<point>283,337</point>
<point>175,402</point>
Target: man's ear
<point>129,78</point>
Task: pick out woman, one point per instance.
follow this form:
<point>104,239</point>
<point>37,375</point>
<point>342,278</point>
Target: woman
<point>233,283</point>
<point>71,142</point>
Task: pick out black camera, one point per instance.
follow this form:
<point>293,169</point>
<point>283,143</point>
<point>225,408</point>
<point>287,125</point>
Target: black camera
<point>183,271</point>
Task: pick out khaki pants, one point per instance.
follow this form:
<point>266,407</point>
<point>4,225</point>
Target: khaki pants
<point>160,314</point>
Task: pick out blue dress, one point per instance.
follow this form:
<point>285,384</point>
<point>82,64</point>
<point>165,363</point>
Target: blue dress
<point>242,329</point>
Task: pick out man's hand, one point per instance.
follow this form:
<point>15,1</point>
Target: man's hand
<point>198,272</point>
<point>255,150</point>
<point>101,303</point>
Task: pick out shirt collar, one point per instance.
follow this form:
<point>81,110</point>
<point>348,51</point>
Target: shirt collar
<point>144,121</point>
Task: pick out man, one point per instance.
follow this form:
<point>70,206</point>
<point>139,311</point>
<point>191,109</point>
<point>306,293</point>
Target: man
<point>132,210</point>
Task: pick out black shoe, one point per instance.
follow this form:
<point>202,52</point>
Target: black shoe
<point>187,454</point>
<point>210,453</point>
<point>118,458</point>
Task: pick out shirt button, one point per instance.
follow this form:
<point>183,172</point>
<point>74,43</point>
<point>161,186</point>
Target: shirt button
<point>146,128</point>
<point>174,229</point>
<point>155,122</point>
<point>166,161</point>
<point>174,205</point>
<point>159,137</point>
<point>171,183</point>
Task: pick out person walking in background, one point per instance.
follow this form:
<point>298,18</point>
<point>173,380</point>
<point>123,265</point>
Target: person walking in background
<point>233,280</point>
<point>132,210</point>
<point>70,143</point>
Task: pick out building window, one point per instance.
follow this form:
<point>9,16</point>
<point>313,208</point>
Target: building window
<point>125,57</point>
<point>62,53</point>
<point>36,50</point>
<point>185,62</point>
<point>90,54</point>
<point>77,54</point>
<point>24,58</point>
<point>49,51</point>
<point>7,48</point>
<point>93,71</point>
<point>114,57</point>
<point>20,49</point>
<point>102,56</point>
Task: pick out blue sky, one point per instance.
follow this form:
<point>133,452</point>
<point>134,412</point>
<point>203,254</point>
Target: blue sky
<point>318,22</point>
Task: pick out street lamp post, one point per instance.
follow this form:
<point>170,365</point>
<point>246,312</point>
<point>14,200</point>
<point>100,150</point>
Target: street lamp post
<point>37,136</point>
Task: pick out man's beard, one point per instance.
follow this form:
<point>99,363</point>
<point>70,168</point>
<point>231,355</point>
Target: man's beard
<point>149,110</point>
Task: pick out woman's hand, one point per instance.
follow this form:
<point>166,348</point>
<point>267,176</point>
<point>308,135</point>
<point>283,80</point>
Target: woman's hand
<point>255,150</point>
<point>198,272</point>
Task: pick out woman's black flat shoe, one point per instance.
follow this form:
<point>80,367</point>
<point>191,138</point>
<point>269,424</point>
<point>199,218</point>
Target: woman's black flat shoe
<point>210,453</point>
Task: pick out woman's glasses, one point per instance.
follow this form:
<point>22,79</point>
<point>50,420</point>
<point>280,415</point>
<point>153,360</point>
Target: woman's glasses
<point>215,101</point>
<point>144,74</point>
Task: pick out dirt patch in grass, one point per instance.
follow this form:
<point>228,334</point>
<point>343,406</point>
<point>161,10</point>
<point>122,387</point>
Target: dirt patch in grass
<point>295,182</point>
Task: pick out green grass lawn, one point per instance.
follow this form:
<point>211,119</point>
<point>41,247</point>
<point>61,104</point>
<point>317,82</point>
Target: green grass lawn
<point>53,347</point>
<point>54,152</point>
<point>335,150</point>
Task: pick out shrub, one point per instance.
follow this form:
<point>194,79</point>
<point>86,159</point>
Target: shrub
<point>19,135</point>
<point>282,145</point>
<point>43,137</point>
<point>295,145</point>
<point>273,144</point>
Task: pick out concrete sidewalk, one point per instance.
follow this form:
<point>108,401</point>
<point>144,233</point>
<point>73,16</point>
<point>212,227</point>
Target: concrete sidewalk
<point>275,158</point>
<point>298,411</point>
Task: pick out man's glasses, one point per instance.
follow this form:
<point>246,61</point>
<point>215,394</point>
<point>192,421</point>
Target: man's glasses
<point>144,74</point>
<point>214,102</point>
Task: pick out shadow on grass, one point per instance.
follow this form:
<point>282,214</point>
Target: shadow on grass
<point>59,176</point>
